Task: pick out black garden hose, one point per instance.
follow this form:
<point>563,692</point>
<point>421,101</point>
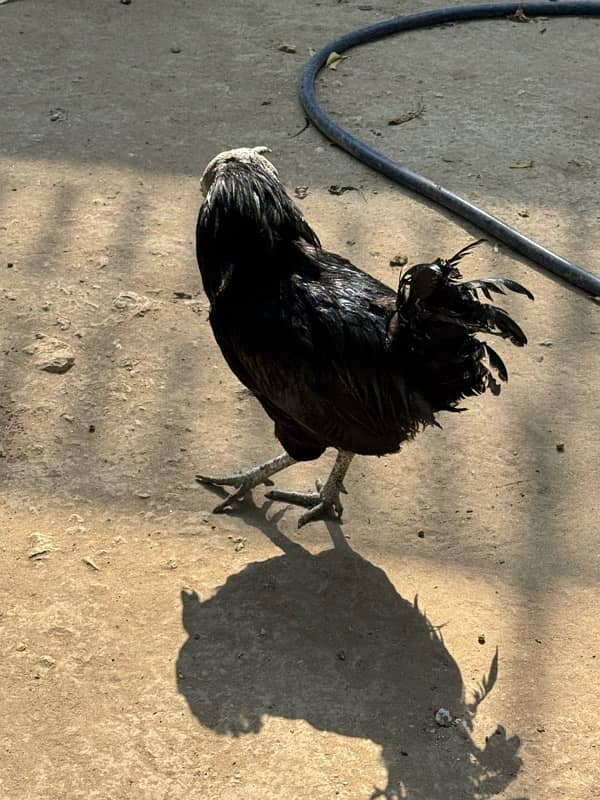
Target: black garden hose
<point>565,269</point>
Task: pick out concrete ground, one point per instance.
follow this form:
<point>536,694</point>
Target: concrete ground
<point>152,650</point>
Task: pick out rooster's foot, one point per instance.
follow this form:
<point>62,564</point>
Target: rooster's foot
<point>243,482</point>
<point>326,500</point>
<point>320,504</point>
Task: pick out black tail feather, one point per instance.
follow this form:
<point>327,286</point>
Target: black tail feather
<point>488,285</point>
<point>437,320</point>
<point>496,363</point>
<point>452,262</point>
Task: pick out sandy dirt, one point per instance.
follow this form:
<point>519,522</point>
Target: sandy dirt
<point>152,650</point>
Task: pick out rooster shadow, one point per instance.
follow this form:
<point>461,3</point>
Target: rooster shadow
<point>327,639</point>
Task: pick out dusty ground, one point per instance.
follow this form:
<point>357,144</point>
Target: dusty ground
<point>152,650</point>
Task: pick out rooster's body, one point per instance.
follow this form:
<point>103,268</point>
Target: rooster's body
<point>336,358</point>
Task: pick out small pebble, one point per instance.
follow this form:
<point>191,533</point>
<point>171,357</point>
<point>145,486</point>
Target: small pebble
<point>560,446</point>
<point>421,534</point>
<point>443,718</point>
<point>287,48</point>
<point>21,647</point>
<point>481,638</point>
<point>175,48</point>
<point>398,261</point>
<point>125,2</point>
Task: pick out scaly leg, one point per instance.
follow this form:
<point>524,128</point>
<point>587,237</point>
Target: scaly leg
<point>246,480</point>
<point>326,498</point>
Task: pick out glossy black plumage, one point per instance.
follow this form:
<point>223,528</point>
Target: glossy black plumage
<point>337,358</point>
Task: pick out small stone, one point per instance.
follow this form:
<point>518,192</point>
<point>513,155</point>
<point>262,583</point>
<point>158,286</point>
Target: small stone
<point>47,661</point>
<point>300,192</point>
<point>546,343</point>
<point>58,365</point>
<point>523,213</point>
<point>421,534</point>
<point>175,48</point>
<point>21,647</point>
<point>341,655</point>
<point>398,261</point>
<point>481,638</point>
<point>560,446</point>
<point>287,48</point>
<point>239,543</point>
<point>443,718</point>
<point>136,304</point>
<point>125,2</point>
<point>171,564</point>
<point>143,495</point>
<point>52,355</point>
<point>41,546</point>
<point>76,530</point>
<point>9,264</point>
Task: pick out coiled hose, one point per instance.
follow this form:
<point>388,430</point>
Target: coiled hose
<point>562,267</point>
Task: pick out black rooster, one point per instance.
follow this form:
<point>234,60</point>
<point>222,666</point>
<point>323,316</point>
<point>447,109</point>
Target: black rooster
<point>336,358</point>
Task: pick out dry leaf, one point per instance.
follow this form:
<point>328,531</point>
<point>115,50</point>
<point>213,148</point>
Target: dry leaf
<point>335,189</point>
<point>406,117</point>
<point>333,59</point>
<point>519,15</point>
<point>522,164</point>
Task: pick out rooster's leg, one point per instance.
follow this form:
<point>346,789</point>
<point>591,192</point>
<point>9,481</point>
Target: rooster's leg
<point>326,499</point>
<point>244,481</point>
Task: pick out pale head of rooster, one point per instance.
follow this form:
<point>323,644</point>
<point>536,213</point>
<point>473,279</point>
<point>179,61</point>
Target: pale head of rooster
<point>243,155</point>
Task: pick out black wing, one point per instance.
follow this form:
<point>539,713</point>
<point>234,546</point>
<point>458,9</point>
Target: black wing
<point>314,355</point>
